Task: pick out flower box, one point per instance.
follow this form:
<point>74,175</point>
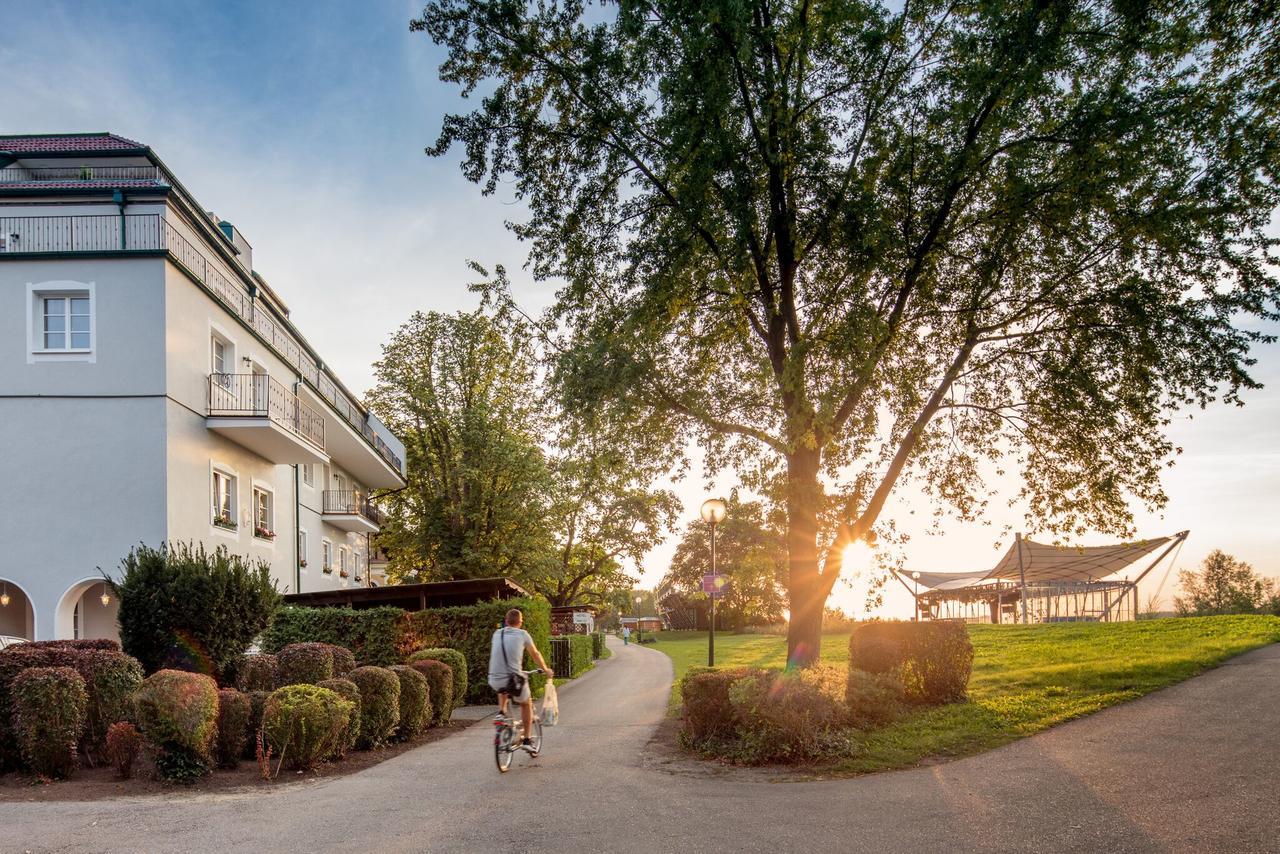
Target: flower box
<point>264,533</point>
<point>303,563</point>
<point>328,570</point>
<point>344,574</point>
<point>224,522</point>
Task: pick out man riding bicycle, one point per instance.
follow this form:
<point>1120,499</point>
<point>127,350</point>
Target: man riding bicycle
<point>506,676</point>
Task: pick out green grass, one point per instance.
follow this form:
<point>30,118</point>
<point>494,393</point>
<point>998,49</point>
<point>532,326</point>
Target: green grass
<point>1025,678</point>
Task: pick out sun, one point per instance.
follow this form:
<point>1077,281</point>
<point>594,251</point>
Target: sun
<point>859,558</point>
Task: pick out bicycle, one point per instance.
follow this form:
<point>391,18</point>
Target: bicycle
<point>508,736</point>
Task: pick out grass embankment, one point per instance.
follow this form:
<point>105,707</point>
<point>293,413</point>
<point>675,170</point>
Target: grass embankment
<point>1025,678</point>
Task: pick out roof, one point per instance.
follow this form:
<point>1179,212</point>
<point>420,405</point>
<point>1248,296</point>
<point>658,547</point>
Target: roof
<point>121,184</point>
<point>412,597</point>
<point>44,143</point>
<point>1044,563</point>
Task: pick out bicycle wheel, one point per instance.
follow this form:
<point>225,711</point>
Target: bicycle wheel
<point>535,737</point>
<point>502,752</point>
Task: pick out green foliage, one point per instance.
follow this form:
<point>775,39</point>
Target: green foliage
<point>787,716</point>
<point>439,678</point>
<point>379,704</point>
<point>581,652</point>
<point>598,647</point>
<point>178,715</point>
<point>1224,585</point>
<point>886,243</point>
<point>258,672</point>
<point>931,660</point>
<point>469,629</point>
<point>873,699</point>
<point>305,663</point>
<point>123,746</point>
<point>372,634</point>
<point>457,664</point>
<point>49,708</point>
<point>415,702</point>
<point>344,660</point>
<point>253,725</point>
<point>305,724</point>
<point>346,689</point>
<point>184,608</point>
<point>234,709</point>
<point>111,678</point>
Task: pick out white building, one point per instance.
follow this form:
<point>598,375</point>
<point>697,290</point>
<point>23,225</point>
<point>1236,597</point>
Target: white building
<point>153,389</point>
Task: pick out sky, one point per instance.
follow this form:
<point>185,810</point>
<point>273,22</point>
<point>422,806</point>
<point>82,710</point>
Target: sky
<point>305,124</point>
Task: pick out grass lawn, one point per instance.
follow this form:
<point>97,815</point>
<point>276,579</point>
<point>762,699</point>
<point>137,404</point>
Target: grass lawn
<point>1025,678</point>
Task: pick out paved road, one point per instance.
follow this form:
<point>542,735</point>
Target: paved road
<point>1192,768</point>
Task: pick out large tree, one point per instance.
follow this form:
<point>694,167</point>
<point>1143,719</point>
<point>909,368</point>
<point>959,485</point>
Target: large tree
<point>1224,585</point>
<point>843,244</point>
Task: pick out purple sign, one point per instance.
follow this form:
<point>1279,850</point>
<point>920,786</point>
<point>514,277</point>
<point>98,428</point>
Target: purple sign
<point>714,585</point>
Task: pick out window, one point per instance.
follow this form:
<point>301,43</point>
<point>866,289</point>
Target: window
<point>224,500</point>
<point>355,564</point>
<point>326,556</point>
<point>302,547</point>
<point>342,560</point>
<point>308,474</point>
<point>62,321</point>
<point>221,358</point>
<point>339,483</point>
<point>263,520</point>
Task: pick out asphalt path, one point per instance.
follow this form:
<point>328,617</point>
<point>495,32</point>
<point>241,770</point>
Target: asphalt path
<point>1193,768</point>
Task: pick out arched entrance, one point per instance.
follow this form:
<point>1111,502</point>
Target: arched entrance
<point>89,609</point>
<point>17,617</point>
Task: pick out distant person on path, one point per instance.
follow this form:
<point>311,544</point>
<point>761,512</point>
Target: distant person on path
<point>506,660</point>
<point>626,635</point>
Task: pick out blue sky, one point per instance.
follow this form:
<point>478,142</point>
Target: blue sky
<point>304,124</point>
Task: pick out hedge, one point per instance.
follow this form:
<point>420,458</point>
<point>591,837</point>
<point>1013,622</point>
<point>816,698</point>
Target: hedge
<point>49,707</point>
<point>260,672</point>
<point>440,686</point>
<point>372,634</point>
<point>110,678</point>
<point>581,649</point>
<point>77,644</point>
<point>233,722</point>
<point>469,629</point>
<point>932,660</point>
<point>178,715</point>
<point>457,664</point>
<point>344,660</point>
<point>346,689</point>
<point>415,701</point>
<point>599,649</point>
<point>305,663</point>
<point>305,724</point>
<point>379,704</point>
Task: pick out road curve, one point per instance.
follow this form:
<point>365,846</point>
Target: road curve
<point>1193,768</point>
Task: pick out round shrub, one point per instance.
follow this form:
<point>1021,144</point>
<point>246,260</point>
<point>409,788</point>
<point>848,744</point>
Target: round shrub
<point>439,678</point>
<point>873,699</point>
<point>14,660</point>
<point>305,663</point>
<point>379,704</point>
<point>233,720</point>
<point>178,715</point>
<point>784,717</point>
<point>346,689</point>
<point>415,701</point>
<point>123,745</point>
<point>344,660</point>
<point>932,660</point>
<point>253,725</point>
<point>457,663</point>
<point>77,644</point>
<point>259,672</point>
<point>305,723</point>
<point>708,714</point>
<point>111,678</point>
<point>49,708</point>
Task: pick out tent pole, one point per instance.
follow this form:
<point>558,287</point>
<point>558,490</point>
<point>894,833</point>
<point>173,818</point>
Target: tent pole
<point>1022,576</point>
<point>1177,541</point>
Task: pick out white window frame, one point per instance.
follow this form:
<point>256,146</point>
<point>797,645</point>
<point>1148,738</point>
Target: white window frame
<point>262,489</point>
<point>326,555</point>
<point>342,559</point>
<point>37,293</point>
<point>302,548</point>
<point>308,474</point>
<point>220,335</point>
<point>217,470</point>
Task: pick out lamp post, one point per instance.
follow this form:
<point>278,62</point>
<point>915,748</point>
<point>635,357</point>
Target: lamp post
<point>639,625</point>
<point>713,510</point>
<point>915,578</point>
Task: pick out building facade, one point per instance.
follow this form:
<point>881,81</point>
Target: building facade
<point>153,389</point>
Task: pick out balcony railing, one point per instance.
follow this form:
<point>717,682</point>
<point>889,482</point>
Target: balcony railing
<point>351,502</point>
<point>36,235</point>
<point>258,395</point>
<point>62,174</point>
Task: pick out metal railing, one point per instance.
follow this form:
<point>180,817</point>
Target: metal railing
<point>25,174</point>
<point>260,396</point>
<point>152,232</point>
<point>351,502</point>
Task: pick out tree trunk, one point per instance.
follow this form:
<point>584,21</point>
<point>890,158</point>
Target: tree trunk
<point>804,587</point>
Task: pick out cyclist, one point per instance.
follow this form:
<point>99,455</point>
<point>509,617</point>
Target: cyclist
<point>506,656</point>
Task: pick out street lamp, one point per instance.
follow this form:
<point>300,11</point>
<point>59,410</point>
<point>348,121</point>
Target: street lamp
<point>713,511</point>
<point>639,625</point>
<point>915,577</point>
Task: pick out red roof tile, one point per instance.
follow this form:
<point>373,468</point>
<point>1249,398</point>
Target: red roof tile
<point>124,184</point>
<point>68,142</point>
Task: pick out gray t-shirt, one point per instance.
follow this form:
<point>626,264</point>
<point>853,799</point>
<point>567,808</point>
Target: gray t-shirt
<point>516,641</point>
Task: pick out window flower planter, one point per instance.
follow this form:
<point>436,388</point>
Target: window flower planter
<point>344,574</point>
<point>303,563</point>
<point>328,570</point>
<point>264,534</point>
<point>224,522</point>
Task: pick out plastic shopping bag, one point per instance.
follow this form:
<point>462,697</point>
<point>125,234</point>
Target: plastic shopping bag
<point>550,705</point>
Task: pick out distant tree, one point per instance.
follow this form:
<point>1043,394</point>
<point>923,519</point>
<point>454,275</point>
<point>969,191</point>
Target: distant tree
<point>851,243</point>
<point>1224,585</point>
<point>751,552</point>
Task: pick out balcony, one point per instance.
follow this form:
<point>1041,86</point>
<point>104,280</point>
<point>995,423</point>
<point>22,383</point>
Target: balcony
<point>351,510</point>
<point>259,413</point>
<point>122,177</point>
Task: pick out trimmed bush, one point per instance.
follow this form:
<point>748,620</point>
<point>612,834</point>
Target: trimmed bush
<point>469,630</point>
<point>785,716</point>
<point>305,723</point>
<point>305,663</point>
<point>258,672</point>
<point>599,649</point>
<point>372,634</point>
<point>346,689</point>
<point>415,701</point>
<point>252,726</point>
<point>439,678</point>
<point>111,678</point>
<point>184,608</point>
<point>178,715</point>
<point>77,644</point>
<point>14,660</point>
<point>708,713</point>
<point>379,704</point>
<point>233,721</point>
<point>344,660</point>
<point>581,652</point>
<point>932,660</point>
<point>872,699</point>
<point>123,746</point>
<point>49,709</point>
<point>457,667</point>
